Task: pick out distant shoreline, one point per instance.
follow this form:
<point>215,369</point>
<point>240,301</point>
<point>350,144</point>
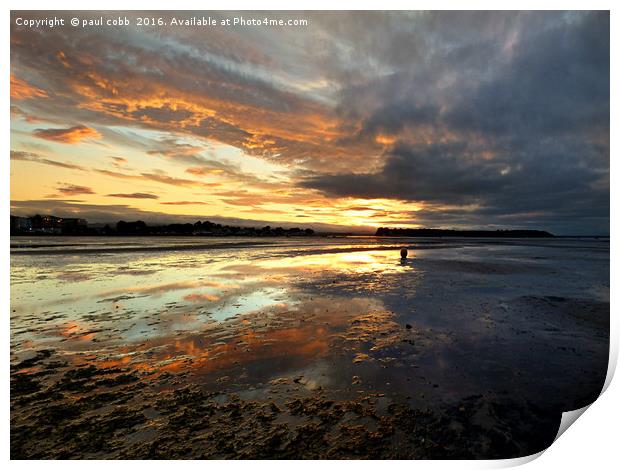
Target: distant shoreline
<point>50,225</point>
<point>455,234</point>
<point>432,232</point>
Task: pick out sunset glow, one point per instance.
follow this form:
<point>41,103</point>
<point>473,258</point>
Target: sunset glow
<point>258,126</point>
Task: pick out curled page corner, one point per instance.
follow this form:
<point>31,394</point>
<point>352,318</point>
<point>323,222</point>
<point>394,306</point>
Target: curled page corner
<point>518,461</point>
<point>568,418</point>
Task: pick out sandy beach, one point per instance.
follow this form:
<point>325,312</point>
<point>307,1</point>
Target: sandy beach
<point>321,348</point>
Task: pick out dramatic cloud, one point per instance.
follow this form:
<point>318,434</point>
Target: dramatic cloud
<point>441,119</point>
<point>527,143</point>
<point>72,135</point>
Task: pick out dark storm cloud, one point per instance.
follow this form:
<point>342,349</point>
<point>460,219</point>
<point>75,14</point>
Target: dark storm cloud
<point>430,173</point>
<point>547,184</point>
<point>522,135</point>
<point>557,82</point>
<point>523,84</point>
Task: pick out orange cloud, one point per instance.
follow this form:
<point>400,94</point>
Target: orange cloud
<point>72,135</point>
<point>63,59</point>
<point>215,104</point>
<point>22,90</point>
<point>304,131</point>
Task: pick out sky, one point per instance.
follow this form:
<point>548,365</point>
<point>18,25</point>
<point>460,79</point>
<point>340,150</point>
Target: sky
<point>357,120</point>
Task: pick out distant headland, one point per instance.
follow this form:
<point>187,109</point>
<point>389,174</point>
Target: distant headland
<point>433,232</point>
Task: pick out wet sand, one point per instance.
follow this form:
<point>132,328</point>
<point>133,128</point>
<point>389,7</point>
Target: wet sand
<point>304,348</point>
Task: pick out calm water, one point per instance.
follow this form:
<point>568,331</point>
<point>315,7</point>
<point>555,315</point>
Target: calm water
<point>526,319</point>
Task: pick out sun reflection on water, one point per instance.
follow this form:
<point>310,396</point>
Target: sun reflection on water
<point>97,305</point>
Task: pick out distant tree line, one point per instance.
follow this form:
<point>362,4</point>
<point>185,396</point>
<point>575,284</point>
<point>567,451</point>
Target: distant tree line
<point>434,232</point>
<point>205,228</point>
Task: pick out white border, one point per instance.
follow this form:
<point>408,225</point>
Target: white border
<point>592,442</point>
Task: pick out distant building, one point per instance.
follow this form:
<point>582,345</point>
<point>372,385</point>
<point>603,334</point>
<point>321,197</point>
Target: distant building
<point>48,224</point>
<point>72,226</point>
<point>21,224</point>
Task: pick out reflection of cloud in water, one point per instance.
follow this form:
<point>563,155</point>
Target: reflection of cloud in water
<point>201,298</point>
<point>250,302</point>
<point>265,342</point>
<point>441,327</point>
<point>75,331</point>
<point>168,287</point>
<point>168,299</point>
